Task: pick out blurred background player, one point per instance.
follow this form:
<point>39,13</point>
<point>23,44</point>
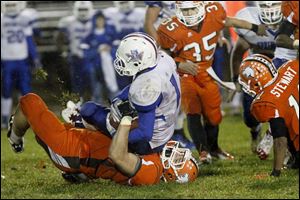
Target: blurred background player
<point>97,57</point>
<point>191,39</point>
<point>17,51</point>
<point>156,12</point>
<point>276,101</point>
<point>126,18</point>
<point>73,29</point>
<point>267,13</point>
<point>33,16</point>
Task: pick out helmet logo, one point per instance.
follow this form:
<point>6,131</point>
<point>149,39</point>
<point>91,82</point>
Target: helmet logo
<point>248,72</point>
<point>134,56</point>
<point>183,178</point>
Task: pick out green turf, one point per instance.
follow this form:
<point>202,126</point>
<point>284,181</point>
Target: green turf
<point>32,175</point>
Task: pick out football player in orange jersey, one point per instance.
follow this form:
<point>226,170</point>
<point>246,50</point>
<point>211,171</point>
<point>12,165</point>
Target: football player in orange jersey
<point>276,101</point>
<point>191,38</point>
<point>83,154</point>
<point>290,26</point>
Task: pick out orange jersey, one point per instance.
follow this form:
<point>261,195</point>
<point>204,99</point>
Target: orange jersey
<point>281,99</point>
<point>290,10</point>
<point>188,44</point>
<point>78,150</point>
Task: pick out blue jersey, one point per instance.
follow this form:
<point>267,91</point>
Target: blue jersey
<point>93,41</point>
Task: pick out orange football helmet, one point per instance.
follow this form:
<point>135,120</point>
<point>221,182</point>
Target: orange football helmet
<point>256,72</point>
<point>190,13</point>
<point>179,164</point>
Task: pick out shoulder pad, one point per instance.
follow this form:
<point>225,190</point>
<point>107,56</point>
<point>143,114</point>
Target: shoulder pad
<point>145,90</point>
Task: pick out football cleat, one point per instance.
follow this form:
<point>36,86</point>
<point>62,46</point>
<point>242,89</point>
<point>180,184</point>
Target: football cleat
<point>222,155</point>
<point>17,148</point>
<point>205,158</point>
<point>183,141</point>
<point>75,178</point>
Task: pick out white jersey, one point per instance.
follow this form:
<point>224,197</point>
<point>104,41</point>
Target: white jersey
<point>76,31</point>
<point>167,10</point>
<point>14,31</point>
<point>125,23</point>
<point>162,81</point>
<point>251,14</point>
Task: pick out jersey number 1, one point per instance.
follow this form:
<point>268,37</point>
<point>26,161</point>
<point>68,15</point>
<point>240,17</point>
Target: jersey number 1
<point>294,103</point>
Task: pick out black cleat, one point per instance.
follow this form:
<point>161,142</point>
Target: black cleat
<point>75,177</point>
<point>17,148</point>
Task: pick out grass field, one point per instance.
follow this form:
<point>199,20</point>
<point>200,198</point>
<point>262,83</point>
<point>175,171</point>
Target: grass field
<point>32,175</point>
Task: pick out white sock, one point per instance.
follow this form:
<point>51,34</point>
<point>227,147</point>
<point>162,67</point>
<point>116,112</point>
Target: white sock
<point>236,102</point>
<point>6,104</point>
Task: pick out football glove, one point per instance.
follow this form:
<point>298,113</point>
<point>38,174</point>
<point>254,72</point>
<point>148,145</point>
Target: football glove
<point>71,114</point>
<point>119,109</point>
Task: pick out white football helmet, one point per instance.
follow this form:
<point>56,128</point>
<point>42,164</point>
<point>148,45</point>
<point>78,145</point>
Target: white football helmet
<point>136,52</point>
<point>190,13</point>
<point>11,8</point>
<point>125,6</point>
<point>178,163</point>
<point>83,10</point>
<point>270,12</point>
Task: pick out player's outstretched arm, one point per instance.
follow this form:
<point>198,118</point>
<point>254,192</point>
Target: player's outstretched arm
<point>126,162</point>
<point>239,23</point>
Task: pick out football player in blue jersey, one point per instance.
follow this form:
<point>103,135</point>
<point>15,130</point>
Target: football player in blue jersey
<point>96,48</point>
<point>154,93</point>
<point>17,49</point>
<point>126,19</point>
<point>73,29</point>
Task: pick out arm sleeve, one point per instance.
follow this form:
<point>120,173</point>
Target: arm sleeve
<point>220,15</point>
<point>144,132</point>
<point>32,48</point>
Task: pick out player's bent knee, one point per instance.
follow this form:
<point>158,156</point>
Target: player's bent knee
<point>32,100</point>
<point>215,118</point>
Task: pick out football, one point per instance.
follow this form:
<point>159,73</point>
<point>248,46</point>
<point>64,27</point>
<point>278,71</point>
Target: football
<point>115,124</point>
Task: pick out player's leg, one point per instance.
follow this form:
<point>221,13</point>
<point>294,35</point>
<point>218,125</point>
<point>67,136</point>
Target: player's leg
<point>24,77</point>
<point>192,107</point>
<point>8,68</point>
<point>71,150</point>
<point>251,122</point>
<point>211,104</point>
<point>179,134</point>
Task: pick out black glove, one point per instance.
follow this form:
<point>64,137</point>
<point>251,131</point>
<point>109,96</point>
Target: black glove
<point>75,178</point>
<point>121,108</point>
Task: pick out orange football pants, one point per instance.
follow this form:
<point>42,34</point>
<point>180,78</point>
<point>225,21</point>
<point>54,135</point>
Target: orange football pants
<point>71,149</point>
<point>201,95</point>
